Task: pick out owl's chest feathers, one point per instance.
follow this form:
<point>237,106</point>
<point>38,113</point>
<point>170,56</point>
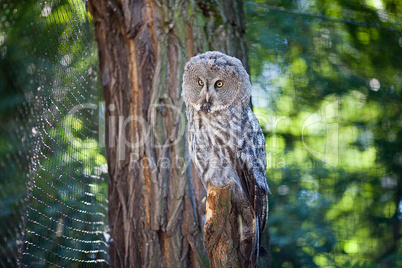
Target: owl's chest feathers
<point>218,130</point>
<point>214,145</point>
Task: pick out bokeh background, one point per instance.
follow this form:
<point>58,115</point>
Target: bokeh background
<point>327,87</point>
<point>327,84</point>
<point>53,169</point>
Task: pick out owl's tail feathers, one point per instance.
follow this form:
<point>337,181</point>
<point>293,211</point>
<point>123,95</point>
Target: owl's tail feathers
<point>250,245</point>
<point>265,252</point>
<point>249,238</point>
<point>265,258</point>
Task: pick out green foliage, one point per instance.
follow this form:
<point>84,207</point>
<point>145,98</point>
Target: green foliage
<point>54,180</point>
<point>328,94</point>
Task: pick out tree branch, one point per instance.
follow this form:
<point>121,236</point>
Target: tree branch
<point>221,232</point>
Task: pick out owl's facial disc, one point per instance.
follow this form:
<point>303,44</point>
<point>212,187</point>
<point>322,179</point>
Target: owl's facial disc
<point>208,97</point>
<point>213,82</point>
<point>213,92</point>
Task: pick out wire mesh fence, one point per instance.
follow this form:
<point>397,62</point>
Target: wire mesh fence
<point>53,196</point>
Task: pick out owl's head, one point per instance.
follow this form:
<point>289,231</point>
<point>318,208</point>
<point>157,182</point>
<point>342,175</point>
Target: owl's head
<point>214,81</point>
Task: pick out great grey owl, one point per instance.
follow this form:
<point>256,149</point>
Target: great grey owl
<point>226,143</point>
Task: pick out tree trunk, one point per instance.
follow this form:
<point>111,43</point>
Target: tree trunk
<point>156,207</point>
<point>221,230</point>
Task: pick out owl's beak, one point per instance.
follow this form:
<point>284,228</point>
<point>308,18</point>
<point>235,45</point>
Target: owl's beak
<point>207,97</point>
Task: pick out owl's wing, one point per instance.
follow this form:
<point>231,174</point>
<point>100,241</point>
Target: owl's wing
<point>251,169</point>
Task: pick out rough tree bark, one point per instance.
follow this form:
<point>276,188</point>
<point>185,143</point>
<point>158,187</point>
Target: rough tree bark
<point>155,198</point>
<point>221,230</point>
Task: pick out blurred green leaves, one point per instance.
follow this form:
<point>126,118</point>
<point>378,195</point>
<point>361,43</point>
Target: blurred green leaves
<point>53,165</point>
<point>326,80</point>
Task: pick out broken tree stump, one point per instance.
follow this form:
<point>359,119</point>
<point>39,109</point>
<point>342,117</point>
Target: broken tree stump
<point>221,237</point>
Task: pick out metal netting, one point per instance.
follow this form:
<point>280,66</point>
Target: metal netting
<point>55,215</point>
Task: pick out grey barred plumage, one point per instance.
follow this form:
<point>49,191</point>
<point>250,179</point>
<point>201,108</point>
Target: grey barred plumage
<point>226,141</point>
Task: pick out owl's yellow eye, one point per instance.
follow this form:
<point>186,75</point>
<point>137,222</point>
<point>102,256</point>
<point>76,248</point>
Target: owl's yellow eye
<point>219,84</point>
<point>200,82</point>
